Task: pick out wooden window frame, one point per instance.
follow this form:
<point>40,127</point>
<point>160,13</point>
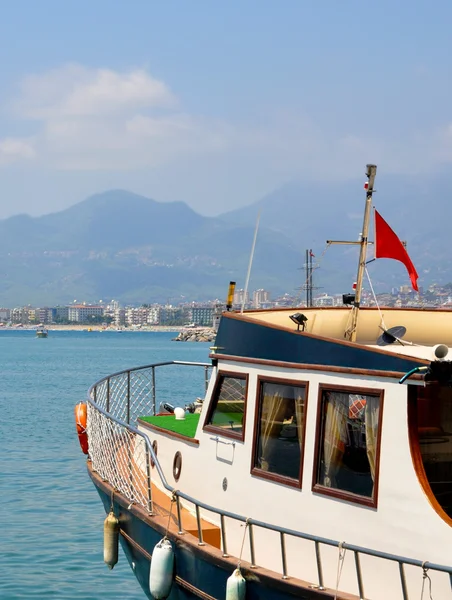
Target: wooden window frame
<point>227,433</point>
<point>317,488</point>
<point>256,471</point>
<point>416,454</point>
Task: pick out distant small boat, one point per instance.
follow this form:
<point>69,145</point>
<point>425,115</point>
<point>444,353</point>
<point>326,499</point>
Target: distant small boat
<point>41,332</point>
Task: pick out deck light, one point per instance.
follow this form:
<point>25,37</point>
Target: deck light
<point>299,319</point>
<point>348,298</point>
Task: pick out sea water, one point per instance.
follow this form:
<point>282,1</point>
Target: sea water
<point>51,520</point>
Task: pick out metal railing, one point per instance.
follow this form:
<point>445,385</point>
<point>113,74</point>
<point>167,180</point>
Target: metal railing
<point>106,392</point>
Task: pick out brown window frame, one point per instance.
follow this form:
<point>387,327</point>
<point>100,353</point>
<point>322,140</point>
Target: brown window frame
<point>256,471</point>
<point>213,403</point>
<point>333,492</point>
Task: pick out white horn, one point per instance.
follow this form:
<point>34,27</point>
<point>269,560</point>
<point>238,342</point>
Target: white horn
<point>440,351</point>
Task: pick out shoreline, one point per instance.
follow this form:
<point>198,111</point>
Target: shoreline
<point>98,328</point>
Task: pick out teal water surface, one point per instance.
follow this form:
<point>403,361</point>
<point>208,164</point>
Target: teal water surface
<point>51,528</point>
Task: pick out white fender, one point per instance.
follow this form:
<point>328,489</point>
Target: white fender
<point>162,568</point>
<point>236,586</point>
<point>111,540</point>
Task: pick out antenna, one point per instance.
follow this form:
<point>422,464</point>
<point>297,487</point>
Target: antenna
<point>251,261</point>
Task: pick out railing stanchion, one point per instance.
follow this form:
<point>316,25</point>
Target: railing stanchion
<point>318,559</point>
<point>403,581</point>
<point>206,379</point>
<point>283,555</point>
<point>153,391</point>
<point>252,555</point>
<point>128,398</point>
<point>148,477</point>
<point>179,516</point>
<point>359,576</point>
<point>108,394</point>
<point>223,536</point>
<point>198,520</point>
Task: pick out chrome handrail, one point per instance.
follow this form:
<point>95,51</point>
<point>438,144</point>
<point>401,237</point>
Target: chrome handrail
<point>250,522</point>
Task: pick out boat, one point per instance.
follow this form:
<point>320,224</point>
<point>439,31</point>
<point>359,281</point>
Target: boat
<point>41,331</point>
<point>316,464</point>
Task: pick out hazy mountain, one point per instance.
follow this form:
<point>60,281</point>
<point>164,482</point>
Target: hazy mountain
<point>418,208</point>
<point>124,246</point>
<point>134,249</point>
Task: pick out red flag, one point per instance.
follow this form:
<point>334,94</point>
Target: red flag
<point>388,245</point>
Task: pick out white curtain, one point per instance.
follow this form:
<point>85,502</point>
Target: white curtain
<point>271,419</point>
<point>335,435</point>
<point>299,415</point>
<point>372,414</point>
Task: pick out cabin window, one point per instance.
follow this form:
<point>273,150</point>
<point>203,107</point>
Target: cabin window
<point>430,425</point>
<point>280,431</point>
<point>226,414</point>
<point>348,444</point>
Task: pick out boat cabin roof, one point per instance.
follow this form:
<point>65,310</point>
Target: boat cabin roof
<point>425,328</point>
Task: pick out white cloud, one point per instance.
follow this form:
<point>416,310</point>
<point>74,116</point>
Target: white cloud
<point>77,91</point>
<point>101,119</point>
<point>13,149</point>
<point>92,119</point>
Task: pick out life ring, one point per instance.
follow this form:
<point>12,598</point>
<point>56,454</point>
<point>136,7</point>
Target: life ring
<point>80,422</point>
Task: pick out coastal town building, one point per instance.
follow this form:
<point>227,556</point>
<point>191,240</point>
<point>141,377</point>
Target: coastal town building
<point>261,298</point>
<point>207,314</point>
<point>241,297</point>
<point>81,313</point>
<point>202,315</point>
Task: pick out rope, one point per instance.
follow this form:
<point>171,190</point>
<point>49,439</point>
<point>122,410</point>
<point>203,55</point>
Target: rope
<point>243,543</point>
<point>173,500</point>
<point>314,267</point>
<point>425,576</point>
<point>340,564</point>
<point>375,298</point>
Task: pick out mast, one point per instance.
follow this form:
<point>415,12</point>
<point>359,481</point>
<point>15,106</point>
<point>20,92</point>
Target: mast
<point>309,268</point>
<point>350,334</point>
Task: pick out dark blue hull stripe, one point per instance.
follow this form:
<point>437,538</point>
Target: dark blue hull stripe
<point>253,340</point>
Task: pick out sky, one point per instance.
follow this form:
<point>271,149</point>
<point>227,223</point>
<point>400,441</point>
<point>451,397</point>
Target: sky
<point>216,103</point>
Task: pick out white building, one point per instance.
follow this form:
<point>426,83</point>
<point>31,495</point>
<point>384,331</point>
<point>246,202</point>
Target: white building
<point>260,298</point>
<point>81,313</point>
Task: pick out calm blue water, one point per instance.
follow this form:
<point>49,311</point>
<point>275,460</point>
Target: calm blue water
<point>51,521</point>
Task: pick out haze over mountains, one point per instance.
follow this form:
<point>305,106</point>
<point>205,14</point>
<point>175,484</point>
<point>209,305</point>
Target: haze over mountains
<point>133,249</point>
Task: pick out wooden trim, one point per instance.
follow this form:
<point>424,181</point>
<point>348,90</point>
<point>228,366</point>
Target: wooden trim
<point>416,455</point>
<point>324,368</point>
<point>333,492</point>
<point>135,545</point>
<point>315,309</point>
<point>173,434</point>
<point>192,589</point>
<point>254,470</point>
<point>227,433</point>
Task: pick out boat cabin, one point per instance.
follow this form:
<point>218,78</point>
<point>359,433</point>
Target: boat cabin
<point>302,429</point>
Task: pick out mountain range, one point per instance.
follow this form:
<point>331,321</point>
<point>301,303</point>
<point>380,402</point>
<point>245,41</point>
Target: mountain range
<point>134,249</point>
